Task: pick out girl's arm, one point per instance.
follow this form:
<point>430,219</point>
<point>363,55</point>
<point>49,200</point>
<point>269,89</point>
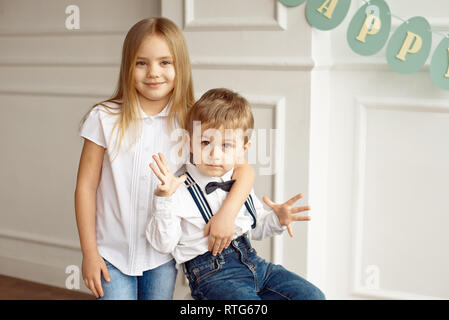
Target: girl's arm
<point>85,208</point>
<point>221,225</point>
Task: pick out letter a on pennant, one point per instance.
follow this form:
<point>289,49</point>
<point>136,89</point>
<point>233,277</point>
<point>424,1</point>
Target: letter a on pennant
<point>412,44</point>
<point>330,8</point>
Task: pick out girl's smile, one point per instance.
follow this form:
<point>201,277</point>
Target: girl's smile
<point>155,84</point>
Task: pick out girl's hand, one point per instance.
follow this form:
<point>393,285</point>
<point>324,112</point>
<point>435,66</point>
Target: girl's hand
<point>169,181</point>
<point>285,212</point>
<point>92,267</point>
<point>220,229</point>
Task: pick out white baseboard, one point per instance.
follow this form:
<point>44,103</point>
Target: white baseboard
<point>44,260</point>
<point>38,258</point>
<point>36,272</point>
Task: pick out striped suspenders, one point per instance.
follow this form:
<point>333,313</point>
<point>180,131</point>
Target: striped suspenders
<point>203,205</point>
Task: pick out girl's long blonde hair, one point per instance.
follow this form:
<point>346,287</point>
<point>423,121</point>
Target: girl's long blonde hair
<point>126,95</point>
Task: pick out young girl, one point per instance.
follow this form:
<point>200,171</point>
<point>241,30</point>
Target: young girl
<point>115,186</point>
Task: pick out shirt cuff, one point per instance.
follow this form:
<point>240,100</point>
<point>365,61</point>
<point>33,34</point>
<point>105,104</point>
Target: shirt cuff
<point>277,227</point>
<point>162,206</point>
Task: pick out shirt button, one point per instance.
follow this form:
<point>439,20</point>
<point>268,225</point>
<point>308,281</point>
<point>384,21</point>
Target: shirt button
<point>235,243</point>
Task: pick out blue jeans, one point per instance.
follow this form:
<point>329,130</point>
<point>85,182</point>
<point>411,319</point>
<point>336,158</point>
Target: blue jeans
<point>154,284</point>
<point>238,273</point>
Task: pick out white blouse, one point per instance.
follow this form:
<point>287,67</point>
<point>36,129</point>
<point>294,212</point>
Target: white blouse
<point>176,224</point>
<point>126,188</point>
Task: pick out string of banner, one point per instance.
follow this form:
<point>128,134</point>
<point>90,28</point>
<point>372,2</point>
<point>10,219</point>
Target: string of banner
<point>369,31</point>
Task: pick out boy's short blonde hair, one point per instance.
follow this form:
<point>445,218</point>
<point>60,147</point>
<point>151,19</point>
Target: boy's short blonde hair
<point>222,107</point>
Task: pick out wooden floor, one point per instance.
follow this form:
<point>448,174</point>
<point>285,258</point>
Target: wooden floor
<point>18,289</point>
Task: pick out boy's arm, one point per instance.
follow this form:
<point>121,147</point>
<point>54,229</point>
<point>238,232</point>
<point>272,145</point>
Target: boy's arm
<point>221,226</point>
<point>285,213</point>
<point>164,227</point>
<point>267,224</point>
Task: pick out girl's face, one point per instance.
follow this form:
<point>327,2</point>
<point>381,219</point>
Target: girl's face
<point>154,73</point>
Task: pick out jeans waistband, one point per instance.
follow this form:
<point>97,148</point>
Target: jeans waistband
<point>239,242</point>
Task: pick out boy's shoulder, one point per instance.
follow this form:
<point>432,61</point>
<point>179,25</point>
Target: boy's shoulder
<point>182,192</point>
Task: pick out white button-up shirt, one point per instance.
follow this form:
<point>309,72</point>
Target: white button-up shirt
<point>126,188</point>
<point>177,226</point>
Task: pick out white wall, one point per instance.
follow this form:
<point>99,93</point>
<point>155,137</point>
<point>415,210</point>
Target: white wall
<point>49,77</point>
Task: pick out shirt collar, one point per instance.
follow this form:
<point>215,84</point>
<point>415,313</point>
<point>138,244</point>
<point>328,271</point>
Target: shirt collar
<point>164,112</point>
<point>202,180</point>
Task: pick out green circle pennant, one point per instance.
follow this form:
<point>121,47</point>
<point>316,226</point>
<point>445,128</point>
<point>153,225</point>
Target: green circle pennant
<point>370,28</point>
<point>439,67</point>
<point>292,3</point>
<point>326,14</point>
<point>409,47</point>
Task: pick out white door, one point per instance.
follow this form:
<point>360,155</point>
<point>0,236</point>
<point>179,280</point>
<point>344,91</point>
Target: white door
<point>388,210</point>
<point>261,49</point>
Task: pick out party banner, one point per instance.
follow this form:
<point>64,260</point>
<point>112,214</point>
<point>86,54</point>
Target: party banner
<point>370,28</point>
<point>327,14</point>
<point>369,31</point>
<point>439,67</point>
<point>409,47</point>
<point>292,3</point>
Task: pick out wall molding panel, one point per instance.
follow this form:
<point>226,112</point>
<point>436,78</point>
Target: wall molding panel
<point>193,23</point>
<point>362,105</point>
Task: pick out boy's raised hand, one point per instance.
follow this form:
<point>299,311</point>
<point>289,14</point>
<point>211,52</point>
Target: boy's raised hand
<point>169,181</point>
<point>285,212</point>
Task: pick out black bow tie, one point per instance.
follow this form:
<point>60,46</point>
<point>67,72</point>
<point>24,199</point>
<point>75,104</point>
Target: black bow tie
<point>212,186</point>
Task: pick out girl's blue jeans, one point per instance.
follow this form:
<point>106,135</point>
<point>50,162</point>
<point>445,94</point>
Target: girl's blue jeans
<point>154,284</point>
<point>238,273</point>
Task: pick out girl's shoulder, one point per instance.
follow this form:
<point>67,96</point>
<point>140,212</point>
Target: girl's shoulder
<point>109,106</point>
<point>105,110</point>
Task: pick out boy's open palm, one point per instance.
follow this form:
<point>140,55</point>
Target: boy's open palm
<point>286,213</point>
<point>169,181</point>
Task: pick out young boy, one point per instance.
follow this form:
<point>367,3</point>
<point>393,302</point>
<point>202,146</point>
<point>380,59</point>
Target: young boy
<point>181,214</point>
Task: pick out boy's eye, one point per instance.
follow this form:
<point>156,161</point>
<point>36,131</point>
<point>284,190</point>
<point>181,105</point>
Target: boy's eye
<point>165,62</point>
<point>204,143</point>
<point>140,63</point>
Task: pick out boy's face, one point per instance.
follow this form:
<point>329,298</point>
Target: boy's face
<point>217,151</point>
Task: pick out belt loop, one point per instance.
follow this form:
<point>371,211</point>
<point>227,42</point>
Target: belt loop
<point>220,259</point>
<point>184,269</point>
<point>246,239</point>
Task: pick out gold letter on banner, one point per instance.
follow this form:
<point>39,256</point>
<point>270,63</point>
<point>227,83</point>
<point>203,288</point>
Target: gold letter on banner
<point>407,46</point>
<point>329,8</point>
<point>371,22</point>
<point>447,74</point>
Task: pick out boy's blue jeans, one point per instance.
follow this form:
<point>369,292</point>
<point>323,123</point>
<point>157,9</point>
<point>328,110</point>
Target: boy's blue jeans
<point>154,284</point>
<point>238,273</point>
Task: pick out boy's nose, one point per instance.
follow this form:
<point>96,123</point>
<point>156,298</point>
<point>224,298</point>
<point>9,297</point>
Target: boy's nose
<point>215,153</point>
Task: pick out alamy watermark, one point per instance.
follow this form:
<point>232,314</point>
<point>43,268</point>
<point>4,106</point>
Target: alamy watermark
<point>224,146</point>
<point>72,21</point>
<point>72,282</point>
<point>372,277</point>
